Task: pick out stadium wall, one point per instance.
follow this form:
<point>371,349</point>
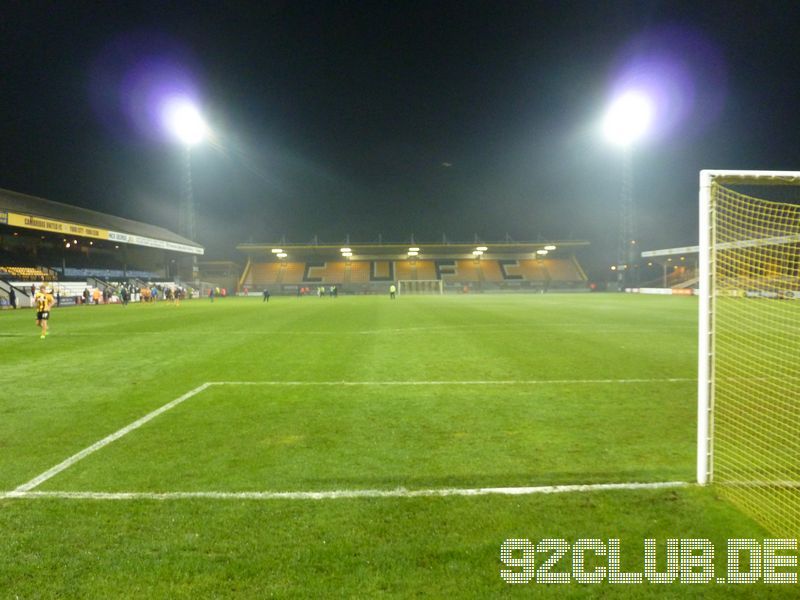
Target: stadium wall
<point>663,291</point>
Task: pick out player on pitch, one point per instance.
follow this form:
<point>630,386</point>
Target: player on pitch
<point>43,300</point>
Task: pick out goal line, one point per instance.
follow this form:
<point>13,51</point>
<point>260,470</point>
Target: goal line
<point>343,494</point>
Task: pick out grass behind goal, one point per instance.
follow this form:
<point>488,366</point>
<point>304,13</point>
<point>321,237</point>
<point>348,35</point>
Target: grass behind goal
<point>507,391</point>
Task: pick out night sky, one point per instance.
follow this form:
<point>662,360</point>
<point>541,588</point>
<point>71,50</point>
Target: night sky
<point>395,118</point>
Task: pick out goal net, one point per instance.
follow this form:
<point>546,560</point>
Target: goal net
<point>749,343</point>
<point>419,286</point>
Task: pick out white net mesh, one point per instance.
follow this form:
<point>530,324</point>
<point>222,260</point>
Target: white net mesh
<point>755,255</point>
<point>420,286</point>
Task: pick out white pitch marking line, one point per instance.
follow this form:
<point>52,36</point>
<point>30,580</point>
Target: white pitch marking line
<point>39,479</point>
<point>337,494</point>
<point>480,382</point>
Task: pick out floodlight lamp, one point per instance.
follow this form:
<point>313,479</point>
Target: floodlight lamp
<point>347,254</point>
<point>613,267</point>
<point>413,249</point>
<point>343,250</point>
<point>482,248</point>
<point>628,118</point>
<point>413,252</point>
<point>184,121</point>
<point>281,255</point>
<point>541,252</point>
<point>549,247</point>
<point>276,250</point>
<point>477,252</point>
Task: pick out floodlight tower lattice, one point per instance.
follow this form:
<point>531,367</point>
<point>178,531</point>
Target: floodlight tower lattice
<point>186,215</point>
<point>188,126</point>
<point>627,121</point>
<point>626,242</point>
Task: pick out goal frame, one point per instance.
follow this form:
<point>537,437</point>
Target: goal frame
<point>706,285</point>
<point>437,283</point>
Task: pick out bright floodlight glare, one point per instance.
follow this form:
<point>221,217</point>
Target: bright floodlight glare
<point>282,255</point>
<point>184,121</point>
<point>343,250</point>
<point>482,248</point>
<point>541,252</point>
<point>477,252</point>
<point>628,118</point>
<point>550,247</point>
<point>276,250</point>
<point>413,252</point>
<point>413,249</point>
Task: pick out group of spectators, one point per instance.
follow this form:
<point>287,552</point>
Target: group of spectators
<point>218,292</point>
<point>331,291</point>
<point>125,293</point>
<point>157,292</point>
<point>112,294</point>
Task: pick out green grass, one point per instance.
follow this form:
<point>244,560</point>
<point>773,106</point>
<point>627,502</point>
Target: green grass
<point>104,367</point>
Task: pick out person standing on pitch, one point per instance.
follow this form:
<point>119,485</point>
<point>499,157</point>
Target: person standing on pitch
<point>43,301</point>
<point>392,291</point>
<point>266,295</point>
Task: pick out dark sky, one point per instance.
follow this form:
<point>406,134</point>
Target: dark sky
<point>360,118</point>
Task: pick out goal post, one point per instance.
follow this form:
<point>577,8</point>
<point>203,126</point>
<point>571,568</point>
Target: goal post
<point>748,384</point>
<point>420,286</point>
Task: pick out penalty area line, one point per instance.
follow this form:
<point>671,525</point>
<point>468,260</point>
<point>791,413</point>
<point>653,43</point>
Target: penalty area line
<point>66,464</point>
<point>343,494</point>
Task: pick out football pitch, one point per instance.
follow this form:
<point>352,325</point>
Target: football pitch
<point>348,447</point>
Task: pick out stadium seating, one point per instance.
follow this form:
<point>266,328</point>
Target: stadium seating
<point>405,269</point>
<point>562,270</point>
<point>335,272</point>
<point>500,274</point>
<point>25,273</point>
<point>359,272</point>
<point>292,273</point>
<point>521,270</point>
<point>419,270</point>
<point>426,269</point>
<point>490,271</point>
<point>466,271</point>
<point>265,273</point>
